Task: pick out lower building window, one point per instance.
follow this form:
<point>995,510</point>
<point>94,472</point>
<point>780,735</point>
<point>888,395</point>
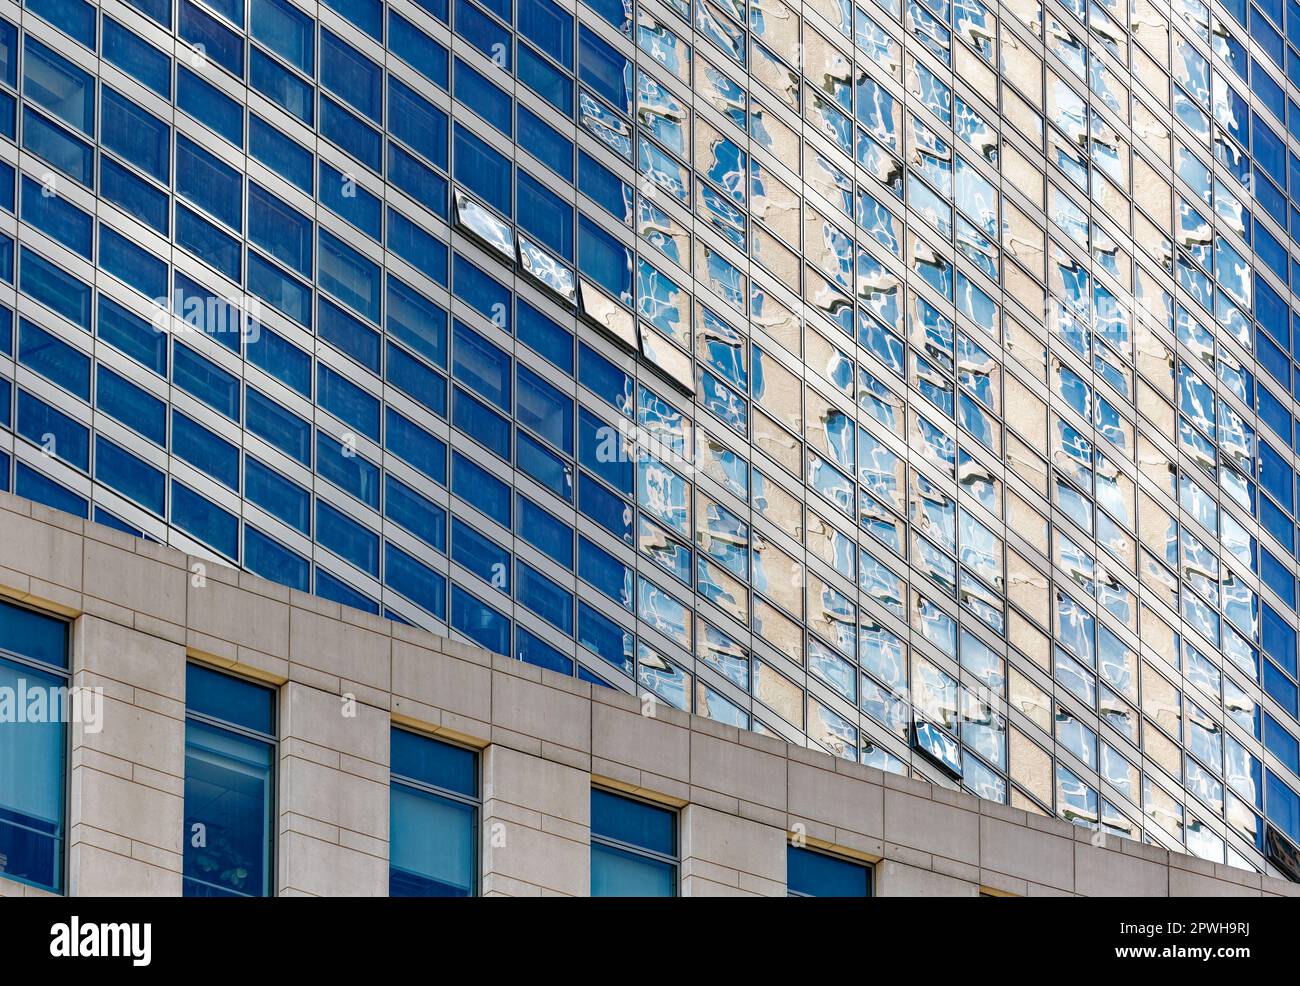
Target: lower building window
<point>633,847</point>
<point>230,744</point>
<point>433,815</point>
<point>817,874</point>
<point>33,746</point>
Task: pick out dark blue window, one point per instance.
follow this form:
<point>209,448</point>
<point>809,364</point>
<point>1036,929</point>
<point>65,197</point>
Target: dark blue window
<point>417,179</point>
<point>483,33</point>
<point>416,48</point>
<point>203,31</point>
<point>603,571</point>
<point>55,432</point>
<point>268,558</point>
<point>604,258</point>
<point>137,58</point>
<point>73,17</point>
<point>422,517</point>
<point>51,81</point>
<point>33,805</point>
<point>342,194</point>
<point>542,596</point>
<point>474,90</point>
<point>347,402</point>
<point>341,465</point>
<point>282,87</point>
<point>422,250</point>
<point>54,359</point>
<point>37,486</point>
<point>131,404</point>
<point>286,30</point>
<point>329,586</point>
<point>210,106</point>
<point>479,621</point>
<point>290,160</point>
<point>545,215</point>
<point>365,14</point>
<point>417,122</point>
<point>141,340</point>
<point>545,410</point>
<point>278,496</point>
<point>609,511</point>
<point>546,80</point>
<point>349,276</point>
<point>816,874</point>
<point>120,470</point>
<point>349,540</point>
<point>546,532</point>
<point>282,359</point>
<point>282,292</point>
<point>206,451</point>
<point>55,288</point>
<point>230,752</point>
<point>633,847</point>
<point>347,130</point>
<point>433,818</point>
<point>413,378</point>
<point>481,365</point>
<point>604,69</point>
<point>412,444</point>
<point>139,137</point>
<point>550,27</point>
<point>349,335</point>
<point>217,528</point>
<point>480,489</point>
<point>206,241</point>
<point>279,426</point>
<point>545,143</point>
<point>540,333</point>
<point>416,321</point>
<point>132,264</point>
<point>282,231</point>
<point>482,170</point>
<point>351,75</point>
<point>134,196</point>
<point>209,183</point>
<point>531,649</point>
<point>43,208</point>
<point>483,292</point>
<point>481,423</point>
<point>416,581</point>
<point>199,376</point>
<point>50,142</point>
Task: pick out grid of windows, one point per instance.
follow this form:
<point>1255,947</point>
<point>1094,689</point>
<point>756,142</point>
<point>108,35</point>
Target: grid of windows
<point>914,378</point>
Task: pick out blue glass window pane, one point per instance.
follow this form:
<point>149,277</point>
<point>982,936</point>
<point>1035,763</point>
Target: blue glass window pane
<point>207,452</point>
<point>281,358</point>
<point>422,250</point>
<point>815,874</point>
<point>416,321</point>
<point>199,376</point>
<point>480,489</point>
<point>132,264</point>
<point>415,580</point>
<point>210,106</point>
<point>50,142</point>
<point>329,586</point>
<point>351,75</point>
<point>347,538</point>
<point>482,170</point>
<point>545,143</point>
<point>51,81</point>
<point>545,215</point>
<point>54,359</point>
<point>209,183</point>
<point>270,559</point>
<point>136,135</point>
<point>216,528</point>
<point>413,378</point>
<point>54,288</point>
<point>349,335</point>
<point>417,49</point>
<point>550,26</point>
<point>37,486</point>
<point>131,404</point>
<point>546,80</point>
<point>349,276</point>
<point>341,465</point>
<point>45,209</point>
<point>474,90</point>
<point>290,160</point>
<point>206,241</point>
<point>347,402</point>
<point>53,431</point>
<point>32,800</point>
<point>546,532</point>
<point>137,58</point>
<point>278,496</point>
<point>141,340</point>
<point>481,365</point>
<point>417,122</point>
<point>423,518</point>
<point>365,14</point>
<point>122,471</point>
<point>342,194</point>
<point>286,30</point>
<point>347,130</point>
<point>544,336</point>
<point>230,791</point>
<point>417,179</point>
<point>479,621</point>
<point>205,33</point>
<point>279,426</point>
<point>134,196</point>
<point>73,17</point>
<point>282,87</point>
<point>285,294</point>
<point>34,635</point>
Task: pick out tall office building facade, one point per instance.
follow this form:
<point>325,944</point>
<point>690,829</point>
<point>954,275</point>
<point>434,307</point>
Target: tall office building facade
<point>907,378</point>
